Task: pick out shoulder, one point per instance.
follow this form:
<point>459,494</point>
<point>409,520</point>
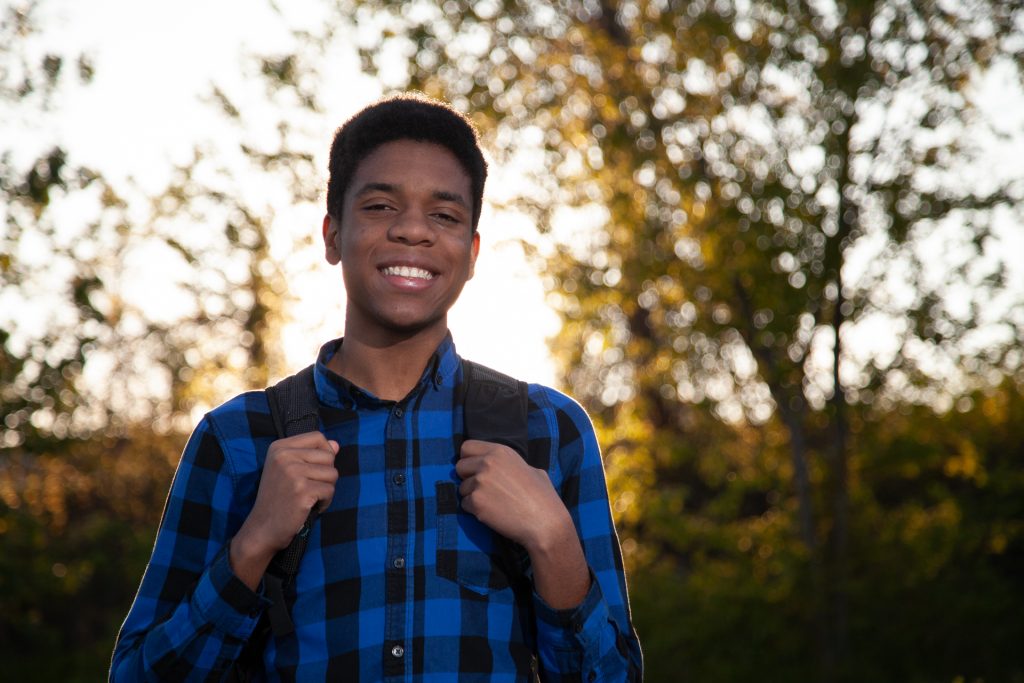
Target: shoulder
<point>543,394</point>
<point>568,420</point>
<point>244,415</point>
<point>560,415</point>
<point>562,437</point>
<point>240,429</point>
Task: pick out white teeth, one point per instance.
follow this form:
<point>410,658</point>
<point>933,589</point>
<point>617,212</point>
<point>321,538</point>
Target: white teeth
<point>408,271</point>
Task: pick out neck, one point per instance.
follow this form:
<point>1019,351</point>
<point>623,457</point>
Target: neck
<point>388,368</point>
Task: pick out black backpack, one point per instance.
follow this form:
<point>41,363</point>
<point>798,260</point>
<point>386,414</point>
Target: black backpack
<point>494,408</point>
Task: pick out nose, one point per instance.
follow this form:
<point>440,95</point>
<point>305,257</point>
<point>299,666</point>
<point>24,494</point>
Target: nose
<point>412,227</point>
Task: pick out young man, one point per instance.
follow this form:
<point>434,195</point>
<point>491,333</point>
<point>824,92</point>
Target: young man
<point>407,575</point>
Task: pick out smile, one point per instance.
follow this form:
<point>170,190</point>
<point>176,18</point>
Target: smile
<point>408,272</point>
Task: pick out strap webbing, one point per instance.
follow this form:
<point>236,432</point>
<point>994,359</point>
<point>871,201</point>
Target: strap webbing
<point>294,409</point>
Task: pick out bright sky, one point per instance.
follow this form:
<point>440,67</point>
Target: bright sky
<point>143,110</point>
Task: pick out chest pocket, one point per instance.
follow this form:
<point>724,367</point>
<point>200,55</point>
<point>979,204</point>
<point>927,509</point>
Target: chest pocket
<point>468,552</point>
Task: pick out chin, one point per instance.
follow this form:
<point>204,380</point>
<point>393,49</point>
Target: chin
<point>411,326</point>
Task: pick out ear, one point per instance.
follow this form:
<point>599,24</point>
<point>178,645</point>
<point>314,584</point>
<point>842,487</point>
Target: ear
<point>330,231</point>
<point>474,251</point>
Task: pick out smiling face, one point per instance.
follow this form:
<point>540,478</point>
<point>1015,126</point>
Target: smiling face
<point>405,241</point>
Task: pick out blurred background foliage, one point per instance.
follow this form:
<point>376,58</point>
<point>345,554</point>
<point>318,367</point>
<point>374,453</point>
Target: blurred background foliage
<point>782,270</point>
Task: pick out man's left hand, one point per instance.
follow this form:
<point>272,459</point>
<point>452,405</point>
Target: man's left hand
<point>519,502</point>
<point>507,494</point>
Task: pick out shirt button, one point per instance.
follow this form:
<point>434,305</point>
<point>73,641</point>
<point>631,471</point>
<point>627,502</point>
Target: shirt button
<point>399,479</point>
<point>399,412</point>
<point>397,651</point>
<point>398,563</point>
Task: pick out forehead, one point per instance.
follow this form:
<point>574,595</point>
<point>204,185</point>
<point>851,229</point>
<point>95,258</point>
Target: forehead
<point>412,164</point>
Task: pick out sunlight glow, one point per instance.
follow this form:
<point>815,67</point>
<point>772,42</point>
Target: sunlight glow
<point>145,111</point>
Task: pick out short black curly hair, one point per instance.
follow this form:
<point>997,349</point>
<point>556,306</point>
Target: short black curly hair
<point>408,116</point>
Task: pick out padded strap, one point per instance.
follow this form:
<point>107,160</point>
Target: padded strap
<point>294,405</point>
<point>495,407</point>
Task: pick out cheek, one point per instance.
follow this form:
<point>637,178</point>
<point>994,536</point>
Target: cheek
<point>355,257</point>
<point>349,247</point>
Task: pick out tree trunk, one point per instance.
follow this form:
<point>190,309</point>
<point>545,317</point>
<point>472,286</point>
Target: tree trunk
<point>839,534</point>
<point>792,409</point>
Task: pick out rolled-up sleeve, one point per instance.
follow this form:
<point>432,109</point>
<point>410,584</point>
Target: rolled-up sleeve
<point>191,615</point>
<point>594,641</point>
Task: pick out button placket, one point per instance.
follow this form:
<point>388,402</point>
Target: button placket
<point>398,482</point>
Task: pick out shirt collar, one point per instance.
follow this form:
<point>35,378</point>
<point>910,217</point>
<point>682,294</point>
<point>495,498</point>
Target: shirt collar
<point>334,390</point>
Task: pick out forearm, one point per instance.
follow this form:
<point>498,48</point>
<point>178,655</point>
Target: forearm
<point>191,615</point>
<point>576,634</point>
<point>594,639</point>
<point>560,574</point>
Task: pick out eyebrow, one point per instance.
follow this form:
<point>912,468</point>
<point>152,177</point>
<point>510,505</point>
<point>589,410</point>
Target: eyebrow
<point>442,195</point>
<point>450,197</point>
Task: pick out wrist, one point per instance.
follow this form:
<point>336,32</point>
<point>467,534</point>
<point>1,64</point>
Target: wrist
<point>552,536</point>
<point>249,558</point>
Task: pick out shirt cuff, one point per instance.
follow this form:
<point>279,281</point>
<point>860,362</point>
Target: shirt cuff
<point>566,636</point>
<point>221,599</point>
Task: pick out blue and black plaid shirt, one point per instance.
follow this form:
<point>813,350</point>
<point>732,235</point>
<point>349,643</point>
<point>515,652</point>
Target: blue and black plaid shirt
<point>397,583</point>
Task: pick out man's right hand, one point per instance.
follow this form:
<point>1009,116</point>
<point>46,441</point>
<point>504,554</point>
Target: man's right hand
<point>299,473</point>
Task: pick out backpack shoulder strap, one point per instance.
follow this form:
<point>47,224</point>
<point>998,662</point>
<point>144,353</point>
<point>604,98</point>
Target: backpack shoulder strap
<point>293,404</point>
<point>294,407</point>
<point>294,410</point>
<point>494,407</point>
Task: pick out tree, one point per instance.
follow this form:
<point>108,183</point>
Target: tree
<point>761,183</point>
<point>939,504</point>
<point>97,383</point>
<point>770,179</point>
